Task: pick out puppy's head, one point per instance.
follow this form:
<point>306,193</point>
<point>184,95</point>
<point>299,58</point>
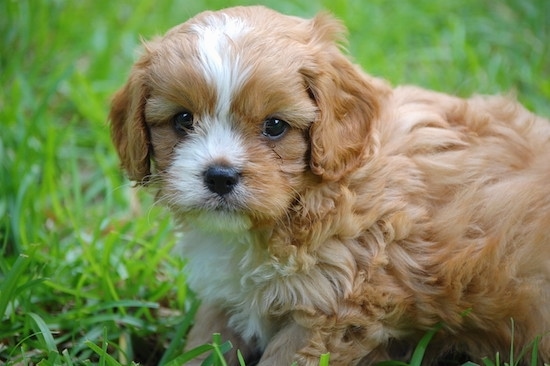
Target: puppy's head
<point>234,112</point>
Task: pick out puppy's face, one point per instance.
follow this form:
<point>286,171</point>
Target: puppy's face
<point>239,111</point>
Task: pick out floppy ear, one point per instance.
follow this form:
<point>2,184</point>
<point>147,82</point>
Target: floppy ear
<point>129,131</point>
<point>346,100</point>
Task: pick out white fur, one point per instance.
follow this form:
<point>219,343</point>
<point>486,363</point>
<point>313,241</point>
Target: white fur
<point>220,62</point>
<point>220,277</point>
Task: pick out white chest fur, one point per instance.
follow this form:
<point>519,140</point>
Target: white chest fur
<point>223,270</point>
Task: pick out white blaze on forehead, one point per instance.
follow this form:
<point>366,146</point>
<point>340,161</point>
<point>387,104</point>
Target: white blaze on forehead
<point>219,60</point>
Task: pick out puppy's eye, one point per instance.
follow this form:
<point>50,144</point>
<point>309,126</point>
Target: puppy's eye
<point>183,122</point>
<point>274,128</point>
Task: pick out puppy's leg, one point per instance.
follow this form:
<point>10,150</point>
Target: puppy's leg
<point>210,320</point>
<point>295,343</point>
<point>283,348</point>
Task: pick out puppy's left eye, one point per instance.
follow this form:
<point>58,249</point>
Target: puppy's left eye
<point>274,128</point>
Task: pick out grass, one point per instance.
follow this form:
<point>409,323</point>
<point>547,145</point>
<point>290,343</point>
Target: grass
<point>87,274</point>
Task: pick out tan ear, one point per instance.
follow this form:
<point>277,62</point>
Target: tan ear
<point>347,102</point>
<point>129,131</point>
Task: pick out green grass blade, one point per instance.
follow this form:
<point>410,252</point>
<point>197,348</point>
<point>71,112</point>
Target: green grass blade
<point>44,331</point>
<point>535,351</point>
<point>240,358</point>
<point>190,355</point>
<point>177,342</point>
<point>512,353</point>
<point>216,358</point>
<point>68,361</point>
<point>9,285</point>
<point>105,358</point>
<point>324,360</point>
<point>420,350</point>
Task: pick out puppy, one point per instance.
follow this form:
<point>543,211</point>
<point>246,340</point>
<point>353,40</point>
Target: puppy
<point>325,211</point>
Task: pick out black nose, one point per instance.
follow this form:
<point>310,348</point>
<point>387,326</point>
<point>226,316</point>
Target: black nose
<point>221,179</point>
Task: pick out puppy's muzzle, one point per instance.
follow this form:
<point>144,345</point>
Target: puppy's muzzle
<point>221,179</point>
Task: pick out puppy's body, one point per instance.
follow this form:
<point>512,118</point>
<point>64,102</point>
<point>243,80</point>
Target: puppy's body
<point>325,211</point>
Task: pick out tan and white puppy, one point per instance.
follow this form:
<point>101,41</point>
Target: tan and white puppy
<point>326,211</point>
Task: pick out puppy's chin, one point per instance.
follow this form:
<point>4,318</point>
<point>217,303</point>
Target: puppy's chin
<point>218,221</point>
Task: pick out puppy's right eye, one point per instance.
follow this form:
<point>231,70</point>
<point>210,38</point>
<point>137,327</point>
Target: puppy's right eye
<point>274,128</point>
<point>183,122</point>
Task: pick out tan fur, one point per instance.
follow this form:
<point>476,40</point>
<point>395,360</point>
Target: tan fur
<point>381,213</point>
